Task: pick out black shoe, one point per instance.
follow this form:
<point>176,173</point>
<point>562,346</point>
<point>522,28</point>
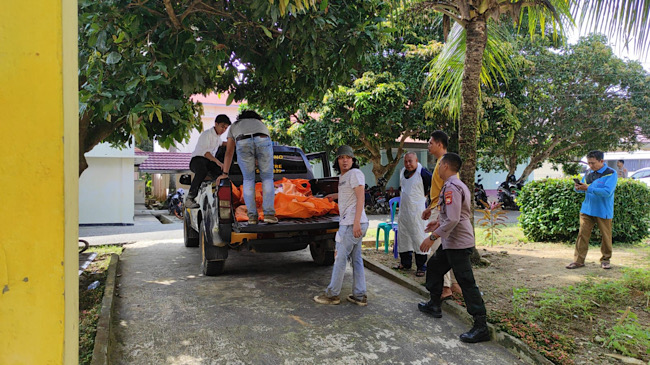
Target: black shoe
<point>431,308</point>
<point>478,333</point>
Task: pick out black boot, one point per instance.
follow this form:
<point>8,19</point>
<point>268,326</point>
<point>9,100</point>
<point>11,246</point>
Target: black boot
<point>478,333</point>
<point>431,307</point>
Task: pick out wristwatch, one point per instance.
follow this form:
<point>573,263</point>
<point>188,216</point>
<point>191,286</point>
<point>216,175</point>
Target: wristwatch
<point>224,173</point>
<point>433,237</point>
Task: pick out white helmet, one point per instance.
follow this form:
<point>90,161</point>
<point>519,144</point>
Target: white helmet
<point>180,191</point>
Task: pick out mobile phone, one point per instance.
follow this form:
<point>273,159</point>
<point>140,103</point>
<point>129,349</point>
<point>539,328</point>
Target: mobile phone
<point>577,181</point>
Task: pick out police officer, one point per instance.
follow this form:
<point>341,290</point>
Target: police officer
<point>455,228</point>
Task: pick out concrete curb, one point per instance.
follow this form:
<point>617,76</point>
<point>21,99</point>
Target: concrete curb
<point>163,218</point>
<point>104,336</point>
<point>512,344</point>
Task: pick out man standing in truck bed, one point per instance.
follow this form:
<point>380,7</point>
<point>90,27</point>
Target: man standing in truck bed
<point>252,140</point>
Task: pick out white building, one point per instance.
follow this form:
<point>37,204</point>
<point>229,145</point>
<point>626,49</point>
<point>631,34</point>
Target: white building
<point>106,187</point>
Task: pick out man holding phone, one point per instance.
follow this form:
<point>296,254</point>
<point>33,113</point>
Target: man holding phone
<point>597,209</point>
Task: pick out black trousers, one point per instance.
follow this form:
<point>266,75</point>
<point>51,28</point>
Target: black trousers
<point>406,259</point>
<point>458,260</point>
<point>200,166</point>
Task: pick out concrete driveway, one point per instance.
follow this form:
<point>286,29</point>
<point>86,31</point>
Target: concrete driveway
<point>261,312</point>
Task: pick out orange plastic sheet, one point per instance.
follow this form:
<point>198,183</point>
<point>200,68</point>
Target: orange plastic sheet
<point>293,199</point>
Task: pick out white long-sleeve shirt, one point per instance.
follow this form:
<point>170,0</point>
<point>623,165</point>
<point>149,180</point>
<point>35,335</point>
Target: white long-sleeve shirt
<point>209,141</point>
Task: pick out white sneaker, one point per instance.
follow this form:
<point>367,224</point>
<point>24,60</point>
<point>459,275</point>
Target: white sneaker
<point>191,203</point>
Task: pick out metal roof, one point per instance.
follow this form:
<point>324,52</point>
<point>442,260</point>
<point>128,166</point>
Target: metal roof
<point>165,162</point>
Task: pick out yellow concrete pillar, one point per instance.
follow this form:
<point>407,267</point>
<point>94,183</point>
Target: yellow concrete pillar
<point>39,180</point>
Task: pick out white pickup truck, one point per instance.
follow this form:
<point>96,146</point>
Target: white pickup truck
<point>213,227</point>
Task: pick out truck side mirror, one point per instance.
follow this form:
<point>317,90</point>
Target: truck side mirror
<point>185,179</point>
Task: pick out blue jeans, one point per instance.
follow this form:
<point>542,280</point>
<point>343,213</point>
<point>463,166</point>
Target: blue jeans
<point>248,150</point>
<point>348,248</point>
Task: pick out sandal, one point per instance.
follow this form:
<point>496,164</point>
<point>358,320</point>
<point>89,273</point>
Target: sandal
<point>605,265</point>
<point>419,273</point>
<point>574,265</point>
<point>399,267</point>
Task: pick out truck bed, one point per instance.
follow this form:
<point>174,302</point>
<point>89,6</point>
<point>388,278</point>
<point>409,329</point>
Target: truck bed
<point>290,224</point>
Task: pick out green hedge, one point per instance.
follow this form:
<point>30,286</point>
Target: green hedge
<point>550,211</point>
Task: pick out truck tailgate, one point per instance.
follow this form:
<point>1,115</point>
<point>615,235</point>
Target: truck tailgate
<point>290,225</point>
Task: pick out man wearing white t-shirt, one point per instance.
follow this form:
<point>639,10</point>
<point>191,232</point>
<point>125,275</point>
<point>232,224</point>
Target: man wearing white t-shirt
<point>353,225</point>
<point>203,160</point>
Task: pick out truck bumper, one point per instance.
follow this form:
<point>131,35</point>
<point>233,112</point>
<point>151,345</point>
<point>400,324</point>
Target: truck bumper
<point>270,243</point>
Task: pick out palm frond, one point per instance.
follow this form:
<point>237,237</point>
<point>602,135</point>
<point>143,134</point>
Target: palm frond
<point>446,70</point>
<point>623,20</point>
<point>557,11</point>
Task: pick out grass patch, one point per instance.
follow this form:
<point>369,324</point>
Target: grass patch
<point>586,301</point>
<point>509,234</point>
<point>628,336</point>
<point>90,300</point>
<point>553,346</point>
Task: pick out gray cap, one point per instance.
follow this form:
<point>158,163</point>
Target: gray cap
<point>344,150</point>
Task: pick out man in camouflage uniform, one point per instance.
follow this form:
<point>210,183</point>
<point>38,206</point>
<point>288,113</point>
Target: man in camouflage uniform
<point>455,228</point>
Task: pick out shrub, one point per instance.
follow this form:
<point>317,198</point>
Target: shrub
<point>550,211</point>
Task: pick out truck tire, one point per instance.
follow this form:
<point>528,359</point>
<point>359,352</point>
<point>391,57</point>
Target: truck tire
<point>209,267</point>
<point>213,268</point>
<point>322,252</point>
<point>191,237</point>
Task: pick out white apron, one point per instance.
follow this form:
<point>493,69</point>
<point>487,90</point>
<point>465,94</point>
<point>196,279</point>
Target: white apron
<point>410,233</point>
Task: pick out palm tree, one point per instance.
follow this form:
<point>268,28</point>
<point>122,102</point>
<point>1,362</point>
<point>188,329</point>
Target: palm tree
<point>474,53</point>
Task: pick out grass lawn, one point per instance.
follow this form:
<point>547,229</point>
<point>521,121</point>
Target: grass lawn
<point>90,300</point>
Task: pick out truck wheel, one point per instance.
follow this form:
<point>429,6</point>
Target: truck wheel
<point>322,252</point>
<point>213,268</point>
<point>209,267</point>
<point>191,237</point>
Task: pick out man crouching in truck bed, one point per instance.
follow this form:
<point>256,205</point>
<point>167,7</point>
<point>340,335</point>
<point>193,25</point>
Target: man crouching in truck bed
<point>203,158</point>
<point>252,140</point>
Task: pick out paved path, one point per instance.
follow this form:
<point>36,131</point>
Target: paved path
<point>261,312</point>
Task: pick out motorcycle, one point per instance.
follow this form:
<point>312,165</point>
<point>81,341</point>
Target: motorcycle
<point>174,202</point>
<point>376,199</point>
<point>508,191</point>
<point>480,196</point>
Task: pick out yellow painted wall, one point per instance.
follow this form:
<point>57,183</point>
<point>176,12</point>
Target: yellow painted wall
<point>38,227</point>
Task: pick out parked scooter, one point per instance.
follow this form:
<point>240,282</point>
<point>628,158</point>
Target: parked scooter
<point>376,199</point>
<point>480,196</point>
<point>175,202</point>
<point>508,192</point>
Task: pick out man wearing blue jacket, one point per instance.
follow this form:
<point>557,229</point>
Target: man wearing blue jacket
<point>597,208</point>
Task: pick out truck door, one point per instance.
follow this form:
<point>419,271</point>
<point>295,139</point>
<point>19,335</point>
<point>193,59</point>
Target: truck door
<point>319,164</point>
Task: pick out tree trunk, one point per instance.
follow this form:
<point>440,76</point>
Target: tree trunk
<point>381,171</point>
<point>528,170</point>
<point>172,177</point>
<point>84,124</point>
<point>476,41</point>
<point>90,136</point>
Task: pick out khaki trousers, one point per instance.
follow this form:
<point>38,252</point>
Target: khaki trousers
<point>587,223</point>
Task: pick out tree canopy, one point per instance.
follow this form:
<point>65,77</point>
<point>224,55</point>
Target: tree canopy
<point>139,62</point>
<point>377,112</point>
<point>563,104</point>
